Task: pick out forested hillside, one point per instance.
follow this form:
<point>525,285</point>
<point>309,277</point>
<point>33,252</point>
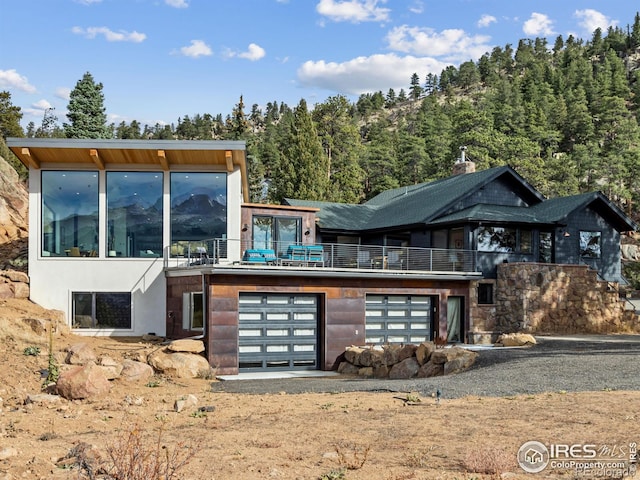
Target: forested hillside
<point>563,113</point>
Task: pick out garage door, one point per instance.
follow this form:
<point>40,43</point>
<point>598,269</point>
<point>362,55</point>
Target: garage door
<point>398,319</point>
<point>277,331</point>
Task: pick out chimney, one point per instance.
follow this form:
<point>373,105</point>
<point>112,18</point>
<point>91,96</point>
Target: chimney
<point>463,165</point>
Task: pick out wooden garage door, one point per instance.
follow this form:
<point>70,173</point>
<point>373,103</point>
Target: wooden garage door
<point>398,319</point>
<point>277,331</point>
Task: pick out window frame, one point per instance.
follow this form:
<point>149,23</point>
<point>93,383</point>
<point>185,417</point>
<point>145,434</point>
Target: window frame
<point>95,325</point>
<point>482,296</point>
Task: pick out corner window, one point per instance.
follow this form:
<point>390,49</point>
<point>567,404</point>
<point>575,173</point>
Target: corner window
<point>69,213</point>
<point>198,210</point>
<point>485,294</point>
<point>192,311</point>
<point>134,214</point>
<point>102,310</point>
<point>590,244</point>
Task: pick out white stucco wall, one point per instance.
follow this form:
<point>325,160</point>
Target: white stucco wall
<point>54,279</point>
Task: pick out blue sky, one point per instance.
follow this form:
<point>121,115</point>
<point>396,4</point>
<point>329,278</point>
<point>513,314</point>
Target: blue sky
<point>162,59</point>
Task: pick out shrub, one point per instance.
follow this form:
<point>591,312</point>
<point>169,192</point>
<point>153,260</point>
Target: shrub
<point>488,460</point>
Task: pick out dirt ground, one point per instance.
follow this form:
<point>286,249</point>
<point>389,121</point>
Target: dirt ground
<point>384,435</point>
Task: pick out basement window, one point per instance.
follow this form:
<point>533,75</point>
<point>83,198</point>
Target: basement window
<point>102,310</point>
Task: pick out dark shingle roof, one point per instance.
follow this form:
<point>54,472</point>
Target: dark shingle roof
<point>427,203</point>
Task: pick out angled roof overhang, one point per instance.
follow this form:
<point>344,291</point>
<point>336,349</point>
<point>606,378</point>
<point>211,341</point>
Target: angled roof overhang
<point>106,153</point>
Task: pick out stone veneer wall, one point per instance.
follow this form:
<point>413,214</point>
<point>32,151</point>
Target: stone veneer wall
<point>560,299</point>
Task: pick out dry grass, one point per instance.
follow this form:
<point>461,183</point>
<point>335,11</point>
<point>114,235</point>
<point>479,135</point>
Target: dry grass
<point>489,460</point>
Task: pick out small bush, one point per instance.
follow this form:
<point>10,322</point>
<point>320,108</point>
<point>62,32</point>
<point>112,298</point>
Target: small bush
<point>139,456</point>
<point>488,460</point>
<point>35,351</point>
<point>352,457</point>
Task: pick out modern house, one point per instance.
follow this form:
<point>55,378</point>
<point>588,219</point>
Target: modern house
<point>131,237</point>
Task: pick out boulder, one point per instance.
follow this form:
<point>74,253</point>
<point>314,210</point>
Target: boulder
<point>84,381</point>
<point>444,355</point>
<point>80,354</point>
<point>515,340</point>
<point>430,369</point>
<point>390,354</point>
<point>407,351</point>
<point>352,354</point>
<point>347,368</point>
<point>460,363</point>
<point>371,357</point>
<point>366,372</point>
<point>381,372</point>
<point>42,398</point>
<point>408,368</point>
<point>424,351</point>
<point>133,371</point>
<point>187,401</point>
<point>186,345</point>
<point>179,364</point>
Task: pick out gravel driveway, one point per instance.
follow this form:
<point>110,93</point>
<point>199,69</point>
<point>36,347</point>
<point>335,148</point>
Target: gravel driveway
<point>569,363</point>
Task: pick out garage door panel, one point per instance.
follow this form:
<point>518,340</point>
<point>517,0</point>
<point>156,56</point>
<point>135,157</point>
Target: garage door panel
<point>398,319</point>
<point>278,331</point>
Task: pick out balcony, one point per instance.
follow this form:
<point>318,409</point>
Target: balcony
<point>333,256</point>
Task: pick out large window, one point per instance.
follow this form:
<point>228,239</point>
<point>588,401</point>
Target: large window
<point>198,209</point>
<point>69,213</point>
<point>590,244</point>
<point>276,232</point>
<point>134,214</point>
<point>496,239</point>
<point>504,240</point>
<point>102,310</point>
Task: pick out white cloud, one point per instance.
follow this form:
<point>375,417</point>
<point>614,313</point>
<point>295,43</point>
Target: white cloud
<point>453,44</point>
<point>110,35</point>
<point>538,24</point>
<point>367,74</point>
<point>177,3</point>
<point>486,20</point>
<point>197,49</point>
<point>590,19</point>
<point>12,79</point>
<point>41,105</point>
<point>354,11</point>
<point>254,52</point>
<point>63,92</point>
<point>417,7</point>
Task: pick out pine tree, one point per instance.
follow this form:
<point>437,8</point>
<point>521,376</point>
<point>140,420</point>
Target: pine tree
<point>86,111</point>
<point>10,116</point>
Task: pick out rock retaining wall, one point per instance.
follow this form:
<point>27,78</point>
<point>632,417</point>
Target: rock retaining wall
<point>405,361</point>
<point>559,299</point>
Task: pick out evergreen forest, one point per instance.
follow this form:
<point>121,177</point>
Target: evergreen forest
<point>563,113</point>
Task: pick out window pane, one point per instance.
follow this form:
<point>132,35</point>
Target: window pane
<point>496,239</point>
<point>545,248</point>
<point>590,244</point>
<point>198,207</point>
<point>262,232</point>
<point>485,293</point>
<point>134,214</point>
<point>288,232</point>
<point>69,213</point>
<point>525,241</point>
<point>197,312</point>
<point>113,310</point>
<point>83,310</point>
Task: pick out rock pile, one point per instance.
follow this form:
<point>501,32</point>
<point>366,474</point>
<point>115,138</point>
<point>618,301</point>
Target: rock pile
<point>405,361</point>
<point>85,375</point>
